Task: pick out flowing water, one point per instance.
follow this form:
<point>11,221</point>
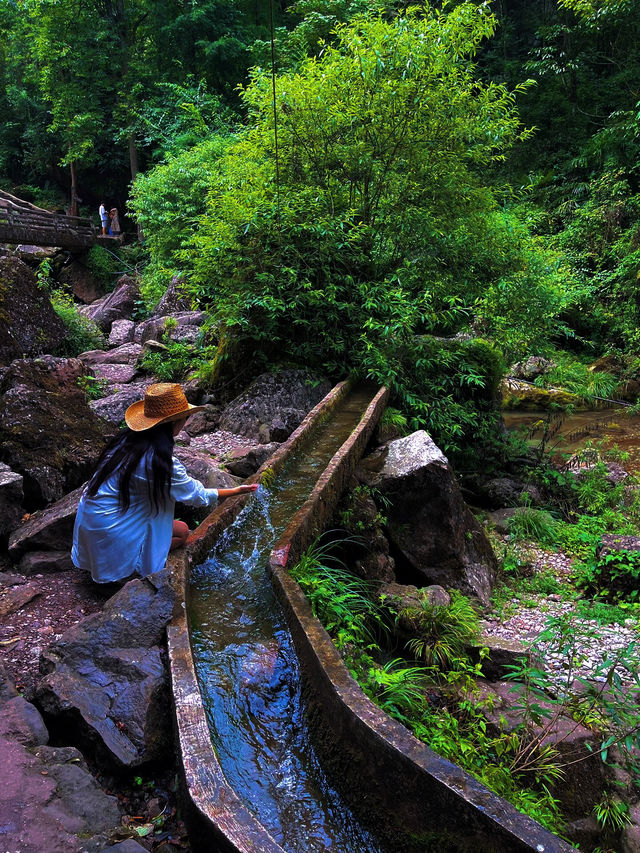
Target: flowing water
<point>616,427</point>
<point>247,667</point>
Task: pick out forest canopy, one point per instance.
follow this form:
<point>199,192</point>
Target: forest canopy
<point>455,186</point>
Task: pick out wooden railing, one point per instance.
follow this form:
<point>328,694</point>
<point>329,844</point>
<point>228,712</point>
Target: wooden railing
<point>46,229</point>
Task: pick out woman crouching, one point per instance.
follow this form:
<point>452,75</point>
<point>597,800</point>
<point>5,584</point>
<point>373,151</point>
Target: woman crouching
<point>125,524</point>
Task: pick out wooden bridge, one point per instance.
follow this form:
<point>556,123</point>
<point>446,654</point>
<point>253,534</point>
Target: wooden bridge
<point>21,222</point>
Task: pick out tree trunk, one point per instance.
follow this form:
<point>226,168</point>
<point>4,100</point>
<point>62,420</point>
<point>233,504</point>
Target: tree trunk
<point>133,158</point>
<point>133,164</point>
<point>74,189</point>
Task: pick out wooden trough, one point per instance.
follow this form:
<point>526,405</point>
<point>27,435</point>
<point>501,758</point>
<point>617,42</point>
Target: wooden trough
<point>416,800</point>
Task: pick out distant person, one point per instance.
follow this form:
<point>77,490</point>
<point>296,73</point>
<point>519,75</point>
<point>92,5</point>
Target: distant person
<point>104,218</point>
<point>125,521</point>
<point>114,228</point>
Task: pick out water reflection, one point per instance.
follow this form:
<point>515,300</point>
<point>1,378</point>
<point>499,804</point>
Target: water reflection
<point>616,427</point>
<point>248,669</point>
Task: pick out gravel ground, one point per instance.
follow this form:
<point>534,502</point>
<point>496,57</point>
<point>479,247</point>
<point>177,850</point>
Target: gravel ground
<point>526,618</point>
<point>62,600</point>
<point>219,444</point>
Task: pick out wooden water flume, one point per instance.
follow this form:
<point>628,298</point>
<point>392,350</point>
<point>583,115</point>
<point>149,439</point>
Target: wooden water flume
<point>415,800</point>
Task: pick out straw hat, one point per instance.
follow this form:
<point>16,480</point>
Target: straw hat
<point>162,403</point>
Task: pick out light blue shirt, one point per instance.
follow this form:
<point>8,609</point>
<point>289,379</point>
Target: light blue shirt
<point>112,544</point>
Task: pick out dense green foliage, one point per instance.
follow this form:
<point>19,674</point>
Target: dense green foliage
<point>109,86</point>
<point>423,187</point>
<point>442,705</point>
<point>374,230</point>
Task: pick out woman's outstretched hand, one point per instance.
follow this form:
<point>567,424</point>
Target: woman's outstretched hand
<point>238,490</point>
<point>251,487</point>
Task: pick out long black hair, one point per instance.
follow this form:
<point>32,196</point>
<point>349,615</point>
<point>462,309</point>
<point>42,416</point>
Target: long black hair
<point>123,454</point>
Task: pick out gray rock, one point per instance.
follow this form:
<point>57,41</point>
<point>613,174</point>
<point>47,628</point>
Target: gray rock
<point>497,492</point>
<point>126,846</point>
<point>49,529</point>
<point>203,422</point>
<point>501,519</point>
<point>28,323</point>
<point>401,596</point>
<point>45,562</point>
<point>155,328</point>
<point>114,373</point>
<point>122,332</point>
<point>50,802</point>
<point>118,305</point>
<point>11,497</point>
<point>173,301</point>
<point>530,369</point>
<point>610,543</point>
<point>105,683</point>
<point>21,721</point>
<point>274,405</point>
<point>7,687</point>
<point>126,353</point>
<point>79,278</point>
<point>201,466</point>
<point>113,407</point>
<point>48,433</point>
<point>186,334</point>
<point>14,598</point>
<point>76,787</point>
<point>503,654</point>
<point>245,461</point>
<point>585,832</point>
<point>427,518</point>
<point>630,835</point>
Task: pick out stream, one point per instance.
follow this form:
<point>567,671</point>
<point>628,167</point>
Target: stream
<point>247,667</point>
<point>616,427</point>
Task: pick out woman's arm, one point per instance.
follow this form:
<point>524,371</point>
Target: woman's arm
<point>238,490</point>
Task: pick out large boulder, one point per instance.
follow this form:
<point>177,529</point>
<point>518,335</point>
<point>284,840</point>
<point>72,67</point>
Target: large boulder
<point>28,323</point>
<point>117,305</point>
<point>126,353</point>
<point>49,800</point>
<point>245,461</point>
<point>122,332</point>
<point>155,328</point>
<point>517,394</point>
<point>82,282</point>
<point>49,529</point>
<point>173,300</point>
<point>11,496</point>
<point>497,492</point>
<point>105,685</point>
<point>48,433</point>
<point>274,405</point>
<point>201,466</point>
<point>427,518</point>
<point>530,369</point>
<point>113,407</point>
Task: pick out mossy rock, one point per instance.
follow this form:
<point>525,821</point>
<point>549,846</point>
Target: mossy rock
<point>48,433</point>
<point>518,395</point>
<point>28,323</point>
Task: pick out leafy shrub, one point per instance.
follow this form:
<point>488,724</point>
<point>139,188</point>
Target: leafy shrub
<point>82,334</point>
<point>575,377</point>
<point>174,362</point>
<point>102,264</point>
<point>614,577</point>
<point>93,387</point>
<point>338,598</point>
<point>367,242</point>
<point>443,631</point>
<point>392,424</point>
<point>533,524</point>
